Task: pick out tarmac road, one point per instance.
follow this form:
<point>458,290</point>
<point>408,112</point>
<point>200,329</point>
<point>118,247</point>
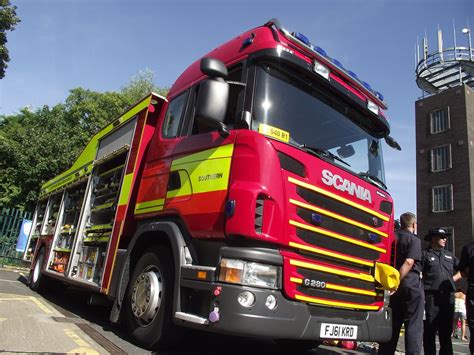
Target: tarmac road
<point>60,321</point>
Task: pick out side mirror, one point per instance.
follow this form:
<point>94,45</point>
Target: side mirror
<point>213,68</point>
<point>213,95</point>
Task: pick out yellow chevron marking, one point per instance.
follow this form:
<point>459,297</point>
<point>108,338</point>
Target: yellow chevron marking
<point>330,270</point>
<point>338,198</point>
<point>336,236</point>
<point>336,216</point>
<point>331,254</point>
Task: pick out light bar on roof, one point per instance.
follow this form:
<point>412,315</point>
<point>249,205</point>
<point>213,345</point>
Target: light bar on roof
<point>299,37</point>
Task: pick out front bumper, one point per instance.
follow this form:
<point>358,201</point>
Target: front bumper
<point>291,319</point>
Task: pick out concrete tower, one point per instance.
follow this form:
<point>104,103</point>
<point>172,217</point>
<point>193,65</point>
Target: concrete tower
<point>445,140</point>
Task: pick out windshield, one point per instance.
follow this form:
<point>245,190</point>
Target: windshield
<point>308,117</point>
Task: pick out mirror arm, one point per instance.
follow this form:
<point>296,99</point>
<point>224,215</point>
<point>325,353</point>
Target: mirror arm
<point>223,130</point>
<point>392,143</point>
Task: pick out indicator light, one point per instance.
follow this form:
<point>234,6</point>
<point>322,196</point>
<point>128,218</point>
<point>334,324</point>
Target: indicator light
<point>316,218</point>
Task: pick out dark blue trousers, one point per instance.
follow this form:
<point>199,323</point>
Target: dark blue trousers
<point>407,305</point>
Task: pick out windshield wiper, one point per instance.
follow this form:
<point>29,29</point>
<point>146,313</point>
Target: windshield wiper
<point>373,179</point>
<point>322,153</point>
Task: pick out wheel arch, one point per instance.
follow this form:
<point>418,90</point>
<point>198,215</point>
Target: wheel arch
<point>166,233</point>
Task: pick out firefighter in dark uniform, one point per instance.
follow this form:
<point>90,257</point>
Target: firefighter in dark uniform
<point>465,266</point>
<point>407,302</point>
<point>439,276</point>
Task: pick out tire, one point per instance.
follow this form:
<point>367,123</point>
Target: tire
<point>149,300</point>
<point>37,280</point>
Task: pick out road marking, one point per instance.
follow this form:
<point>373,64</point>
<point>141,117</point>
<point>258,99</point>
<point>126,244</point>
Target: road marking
<point>41,305</point>
<point>84,346</point>
<point>3,280</point>
<point>2,319</point>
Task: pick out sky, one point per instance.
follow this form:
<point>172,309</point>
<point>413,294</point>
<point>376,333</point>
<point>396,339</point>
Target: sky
<point>101,44</point>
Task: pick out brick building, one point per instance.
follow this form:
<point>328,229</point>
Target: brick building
<point>445,162</point>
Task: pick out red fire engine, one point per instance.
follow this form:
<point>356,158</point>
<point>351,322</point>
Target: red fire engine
<point>250,201</point>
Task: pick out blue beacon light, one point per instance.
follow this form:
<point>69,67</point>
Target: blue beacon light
<point>323,53</point>
<point>302,38</point>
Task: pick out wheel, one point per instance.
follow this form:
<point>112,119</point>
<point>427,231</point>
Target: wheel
<point>37,280</point>
<point>149,300</point>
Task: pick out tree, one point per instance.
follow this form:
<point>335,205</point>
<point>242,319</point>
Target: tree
<point>8,20</point>
<point>141,85</point>
<point>36,145</point>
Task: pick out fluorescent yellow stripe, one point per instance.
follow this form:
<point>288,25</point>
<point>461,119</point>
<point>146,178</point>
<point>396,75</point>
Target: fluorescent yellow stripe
<point>336,197</point>
<point>330,270</point>
<point>350,289</point>
<point>125,190</point>
<point>336,216</point>
<point>149,209</point>
<point>150,204</point>
<point>185,188</point>
<point>336,236</point>
<point>335,303</point>
<point>205,171</point>
<point>214,153</point>
<point>296,280</point>
<point>331,254</point>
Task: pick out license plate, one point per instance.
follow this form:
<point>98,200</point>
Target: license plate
<point>338,331</point>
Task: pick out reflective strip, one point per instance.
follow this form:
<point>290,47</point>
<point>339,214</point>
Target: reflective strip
<point>338,287</point>
<point>185,188</point>
<point>205,171</point>
<point>336,216</point>
<point>338,198</point>
<point>296,280</point>
<point>149,206</point>
<point>125,190</point>
<point>350,289</point>
<point>331,254</point>
<point>330,270</point>
<point>336,236</point>
<point>335,303</point>
<point>215,153</point>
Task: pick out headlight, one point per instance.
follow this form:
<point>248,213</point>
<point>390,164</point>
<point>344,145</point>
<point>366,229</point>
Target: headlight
<point>249,273</point>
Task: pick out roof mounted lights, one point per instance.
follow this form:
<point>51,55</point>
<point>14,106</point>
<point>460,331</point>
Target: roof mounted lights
<point>304,40</point>
<point>321,70</point>
<point>373,107</point>
<point>301,37</point>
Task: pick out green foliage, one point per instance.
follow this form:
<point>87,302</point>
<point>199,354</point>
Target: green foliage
<point>36,145</point>
<point>141,85</point>
<point>8,20</point>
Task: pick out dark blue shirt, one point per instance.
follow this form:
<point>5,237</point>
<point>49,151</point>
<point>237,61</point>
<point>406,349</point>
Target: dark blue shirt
<point>409,247</point>
<point>439,267</point>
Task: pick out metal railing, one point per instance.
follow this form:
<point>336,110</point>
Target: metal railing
<point>10,224</point>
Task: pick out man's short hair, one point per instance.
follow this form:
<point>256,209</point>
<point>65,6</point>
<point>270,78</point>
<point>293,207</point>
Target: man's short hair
<point>407,219</point>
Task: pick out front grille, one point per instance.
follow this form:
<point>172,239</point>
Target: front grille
<point>332,205</point>
<point>336,244</point>
<point>340,246</point>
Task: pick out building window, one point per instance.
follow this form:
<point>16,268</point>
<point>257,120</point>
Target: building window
<point>439,120</point>
<point>450,240</point>
<point>442,198</point>
<point>441,158</point>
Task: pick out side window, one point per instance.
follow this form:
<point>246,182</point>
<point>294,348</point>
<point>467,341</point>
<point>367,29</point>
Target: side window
<point>235,74</point>
<point>174,116</point>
